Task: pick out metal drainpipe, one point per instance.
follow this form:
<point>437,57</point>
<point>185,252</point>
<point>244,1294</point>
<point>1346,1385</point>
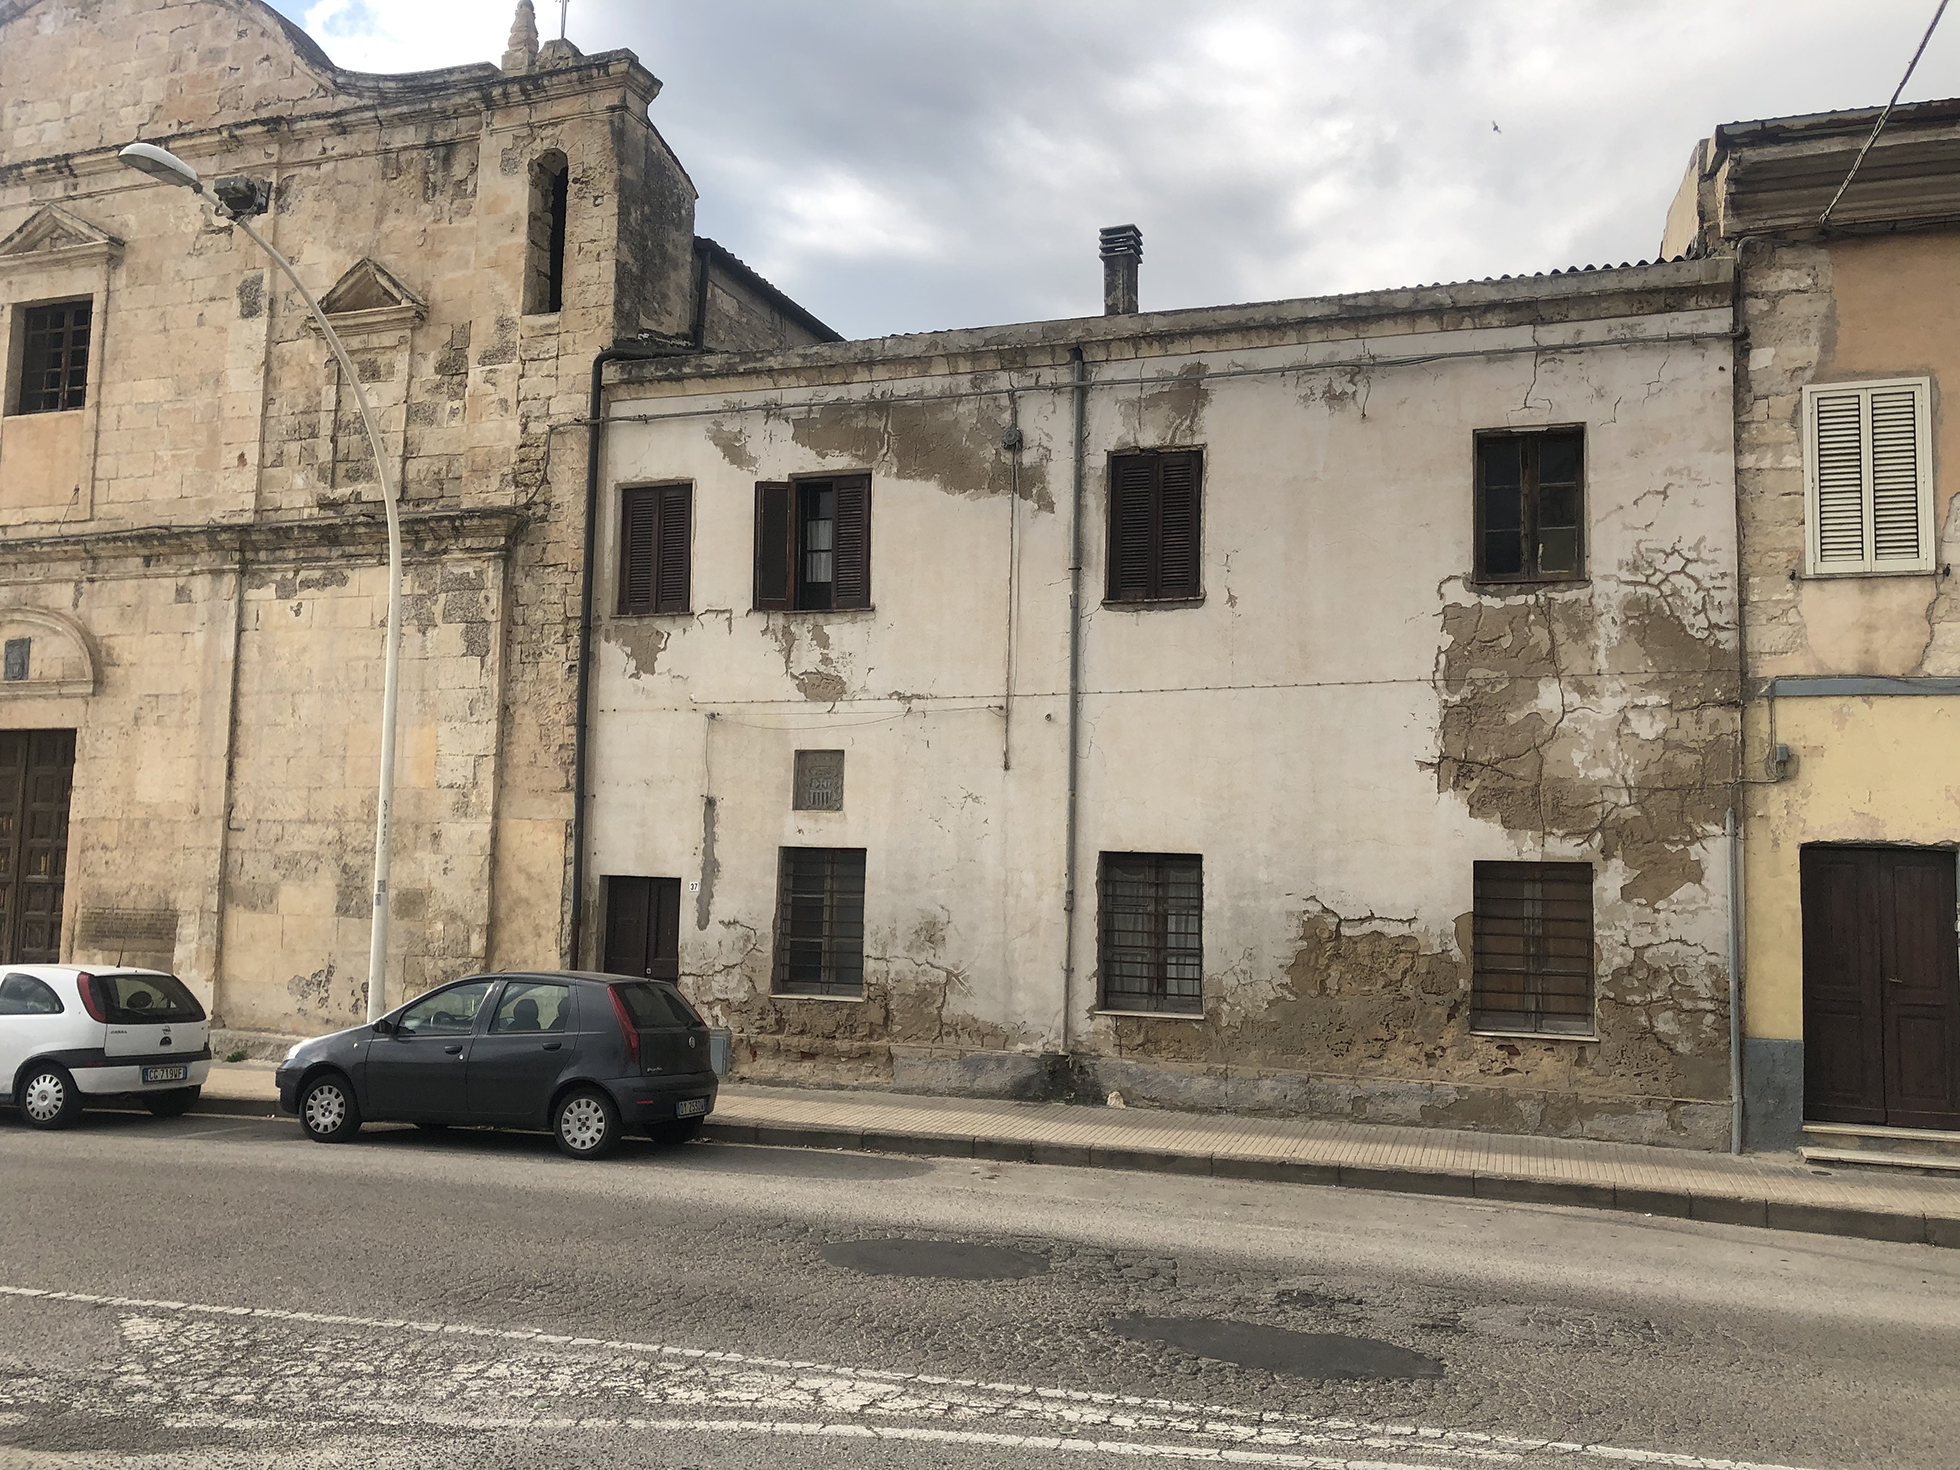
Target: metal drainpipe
<point>1079,382</point>
<point>1733,834</point>
<point>595,434</point>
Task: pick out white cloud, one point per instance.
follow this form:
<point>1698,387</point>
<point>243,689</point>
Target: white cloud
<point>901,166</point>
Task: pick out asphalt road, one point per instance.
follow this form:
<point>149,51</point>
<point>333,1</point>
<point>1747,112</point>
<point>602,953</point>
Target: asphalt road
<point>219,1292</point>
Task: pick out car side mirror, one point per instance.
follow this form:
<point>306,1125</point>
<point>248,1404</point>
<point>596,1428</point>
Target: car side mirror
<point>384,1028</point>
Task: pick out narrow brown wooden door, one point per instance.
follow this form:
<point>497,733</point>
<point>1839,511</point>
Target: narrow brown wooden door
<point>37,776</point>
<point>643,927</point>
<point>1881,987</point>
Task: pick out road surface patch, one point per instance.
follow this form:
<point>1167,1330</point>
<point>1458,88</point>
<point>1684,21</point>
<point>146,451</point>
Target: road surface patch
<point>1281,1350</point>
<point>943,1260</point>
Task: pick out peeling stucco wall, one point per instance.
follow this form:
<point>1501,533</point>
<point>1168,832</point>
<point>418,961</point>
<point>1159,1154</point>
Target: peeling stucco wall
<point>1341,727</point>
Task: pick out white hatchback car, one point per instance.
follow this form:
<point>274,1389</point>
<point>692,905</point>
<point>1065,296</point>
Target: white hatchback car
<point>69,1034</point>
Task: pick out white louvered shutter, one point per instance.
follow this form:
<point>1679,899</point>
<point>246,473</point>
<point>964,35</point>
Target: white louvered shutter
<point>1870,477</point>
<point>1894,416</point>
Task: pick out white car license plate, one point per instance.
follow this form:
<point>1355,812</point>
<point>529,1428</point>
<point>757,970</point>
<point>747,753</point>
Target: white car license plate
<point>165,1074</point>
<point>692,1107</point>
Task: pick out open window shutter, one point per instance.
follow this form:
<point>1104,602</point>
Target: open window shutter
<point>1897,536</point>
<point>850,584</point>
<point>1177,519</point>
<point>1840,480</point>
<point>671,582</point>
<point>774,545</point>
<point>1132,523</point>
<point>639,514</point>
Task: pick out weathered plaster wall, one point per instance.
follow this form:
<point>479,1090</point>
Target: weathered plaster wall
<point>217,535</point>
<point>1863,769</point>
<point>1341,729</point>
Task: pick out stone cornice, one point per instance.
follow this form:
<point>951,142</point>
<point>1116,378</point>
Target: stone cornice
<point>364,535</point>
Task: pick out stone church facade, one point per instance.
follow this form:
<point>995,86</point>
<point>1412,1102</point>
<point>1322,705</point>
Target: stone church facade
<point>192,554</point>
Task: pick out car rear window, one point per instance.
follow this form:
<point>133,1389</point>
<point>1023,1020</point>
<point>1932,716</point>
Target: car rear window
<point>656,1005</point>
<point>134,1000</point>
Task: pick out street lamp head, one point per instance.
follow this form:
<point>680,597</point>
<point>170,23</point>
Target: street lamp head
<point>160,163</point>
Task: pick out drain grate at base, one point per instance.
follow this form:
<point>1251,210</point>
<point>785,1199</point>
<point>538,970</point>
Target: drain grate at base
<point>1279,1350</point>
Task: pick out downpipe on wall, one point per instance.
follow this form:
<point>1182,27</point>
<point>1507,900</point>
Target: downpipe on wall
<point>1732,831</point>
<point>1079,386</point>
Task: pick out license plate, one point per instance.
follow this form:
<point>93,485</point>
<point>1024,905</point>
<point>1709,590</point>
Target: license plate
<point>165,1074</point>
<point>692,1107</point>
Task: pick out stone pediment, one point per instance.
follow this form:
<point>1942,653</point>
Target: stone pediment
<point>51,235</point>
<point>47,653</point>
<point>367,298</point>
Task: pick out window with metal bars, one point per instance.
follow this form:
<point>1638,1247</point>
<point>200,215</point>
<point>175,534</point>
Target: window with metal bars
<point>1152,941</point>
<point>1531,506</point>
<point>1155,502</point>
<point>813,544</point>
<point>1868,471</point>
<point>54,357</point>
<point>1533,939</point>
<point>655,530</point>
<point>820,921</point>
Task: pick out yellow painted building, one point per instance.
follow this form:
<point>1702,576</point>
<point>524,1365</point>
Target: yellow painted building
<point>1849,791</point>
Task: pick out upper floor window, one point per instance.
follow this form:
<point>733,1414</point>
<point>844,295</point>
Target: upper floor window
<point>544,273</point>
<point>813,543</point>
<point>1154,513</point>
<point>54,357</point>
<point>1531,506</point>
<point>655,531</point>
<point>1868,472</point>
<point>1532,935</point>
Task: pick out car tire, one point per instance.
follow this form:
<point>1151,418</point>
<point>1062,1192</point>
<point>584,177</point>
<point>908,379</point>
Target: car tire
<point>586,1124</point>
<point>47,1097</point>
<point>173,1104</point>
<point>675,1130</point>
<point>327,1110</point>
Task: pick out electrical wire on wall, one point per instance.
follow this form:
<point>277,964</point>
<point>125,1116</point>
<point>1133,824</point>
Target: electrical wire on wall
<point>1824,219</point>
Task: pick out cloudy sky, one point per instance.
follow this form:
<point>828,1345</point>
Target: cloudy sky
<point>904,165</point>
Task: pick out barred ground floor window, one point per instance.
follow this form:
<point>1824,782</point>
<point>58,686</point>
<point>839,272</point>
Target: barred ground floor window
<point>1152,932</point>
<point>820,921</point>
<point>1533,927</point>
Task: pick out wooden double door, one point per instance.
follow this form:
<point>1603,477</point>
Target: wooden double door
<point>643,927</point>
<point>1881,987</point>
<point>37,776</point>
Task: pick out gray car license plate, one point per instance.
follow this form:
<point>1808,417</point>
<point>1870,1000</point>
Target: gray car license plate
<point>166,1074</point>
<point>691,1107</point>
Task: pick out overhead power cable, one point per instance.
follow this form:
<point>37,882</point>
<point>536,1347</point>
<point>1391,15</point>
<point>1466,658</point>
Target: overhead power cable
<point>1825,218</point>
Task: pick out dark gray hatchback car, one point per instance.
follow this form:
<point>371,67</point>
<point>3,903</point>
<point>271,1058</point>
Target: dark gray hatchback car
<point>583,1055</point>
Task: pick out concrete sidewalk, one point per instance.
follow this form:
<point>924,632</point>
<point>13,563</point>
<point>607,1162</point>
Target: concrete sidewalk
<point>1772,1190</point>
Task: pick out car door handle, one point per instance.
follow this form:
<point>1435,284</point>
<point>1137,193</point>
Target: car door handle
<point>553,1045</point>
<point>454,1051</point>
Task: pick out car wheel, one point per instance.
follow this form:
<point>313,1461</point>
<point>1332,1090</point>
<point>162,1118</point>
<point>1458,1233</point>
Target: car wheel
<point>586,1124</point>
<point>675,1130</point>
<point>48,1098</point>
<point>172,1104</point>
<point>327,1110</point>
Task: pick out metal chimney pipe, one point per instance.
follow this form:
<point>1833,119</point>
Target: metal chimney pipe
<point>1122,252</point>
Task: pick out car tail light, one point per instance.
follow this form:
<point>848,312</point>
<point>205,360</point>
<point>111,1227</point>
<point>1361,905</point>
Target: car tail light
<point>90,1000</point>
<point>626,1026</point>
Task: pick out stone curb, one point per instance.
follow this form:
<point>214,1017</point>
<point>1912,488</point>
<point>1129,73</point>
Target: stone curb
<point>1676,1204</point>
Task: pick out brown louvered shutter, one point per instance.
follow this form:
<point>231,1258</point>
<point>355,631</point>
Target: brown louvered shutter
<point>1132,505</point>
<point>775,587</point>
<point>671,593</point>
<point>639,516</point>
<point>850,584</point>
<point>1177,525</point>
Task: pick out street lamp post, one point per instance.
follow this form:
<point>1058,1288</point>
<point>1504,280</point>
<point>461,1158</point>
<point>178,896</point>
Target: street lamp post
<point>237,200</point>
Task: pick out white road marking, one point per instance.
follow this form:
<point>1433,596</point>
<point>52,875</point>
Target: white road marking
<point>736,1379</point>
